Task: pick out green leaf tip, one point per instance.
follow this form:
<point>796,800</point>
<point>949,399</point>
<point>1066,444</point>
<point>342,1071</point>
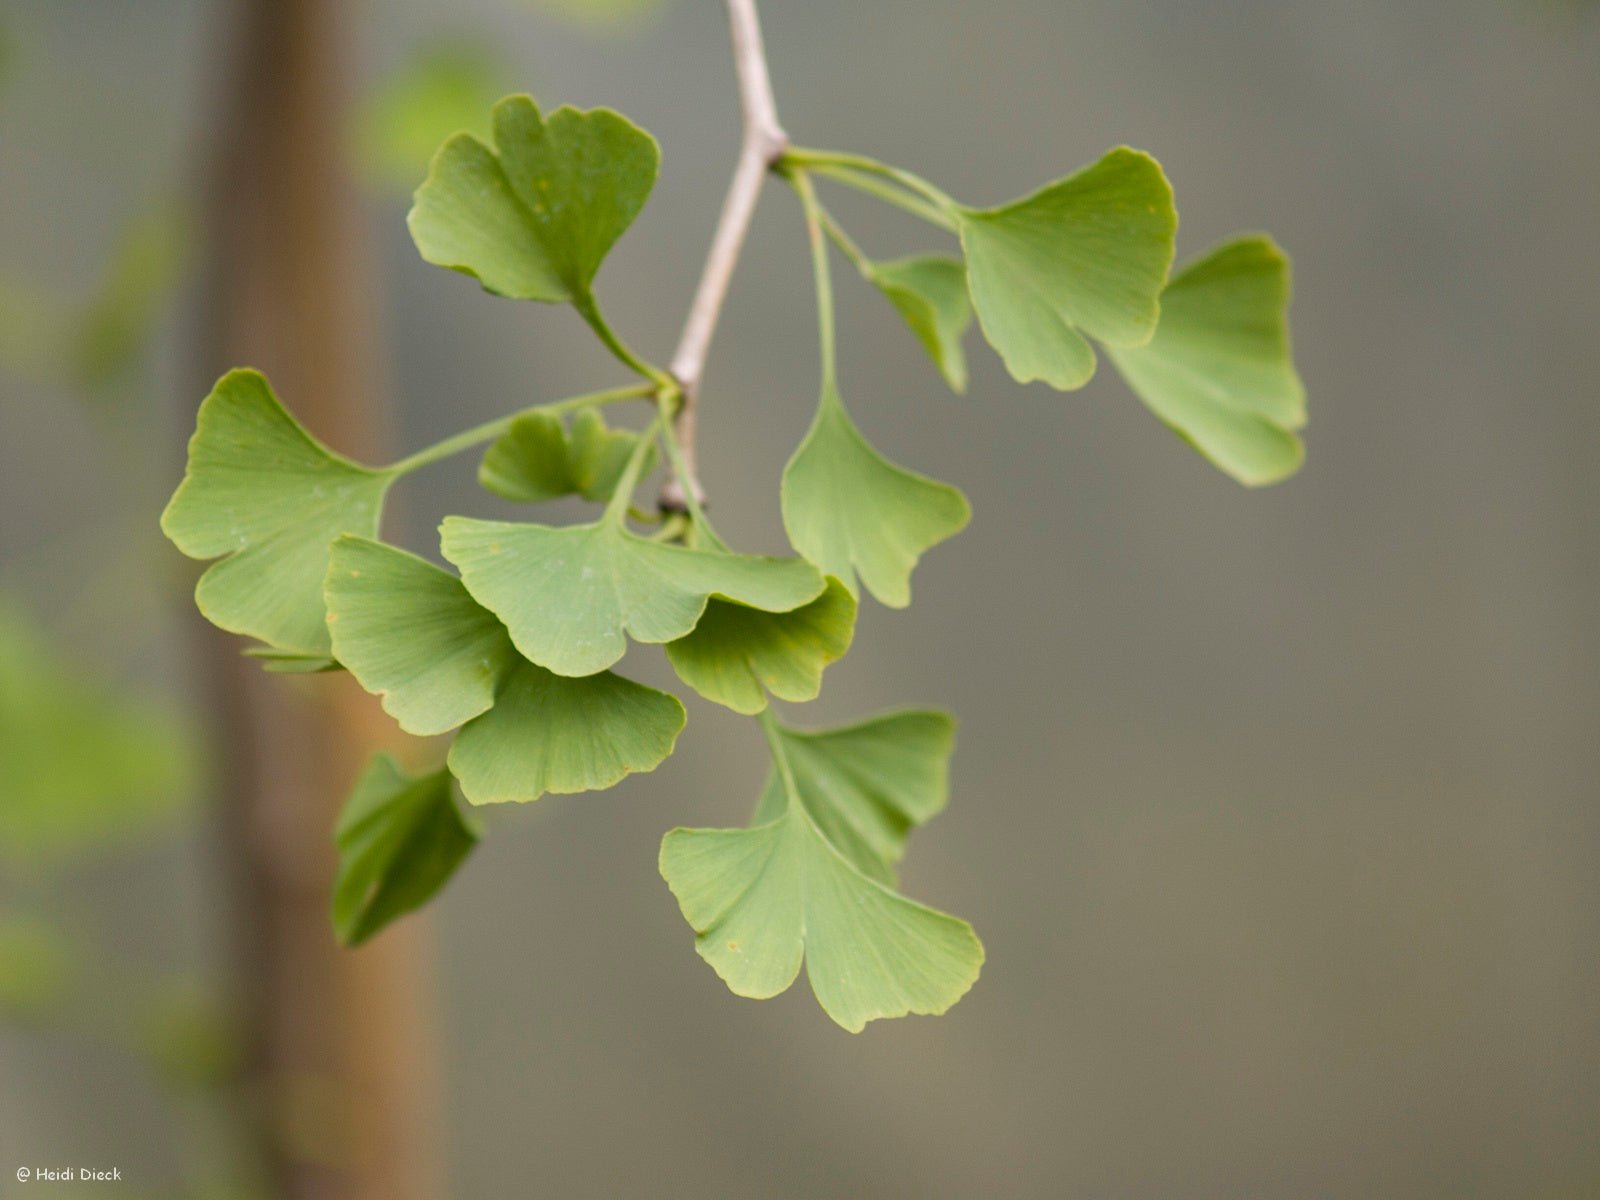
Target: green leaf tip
<point>930,293</point>
<point>400,838</point>
<point>412,634</point>
<point>854,513</point>
<point>1083,257</point>
<point>572,596</point>
<point>539,459</point>
<point>735,655</point>
<point>1219,370</point>
<point>265,498</point>
<point>533,217</point>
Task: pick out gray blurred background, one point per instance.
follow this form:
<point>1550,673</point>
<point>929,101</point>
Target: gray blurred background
<point>1277,811</point>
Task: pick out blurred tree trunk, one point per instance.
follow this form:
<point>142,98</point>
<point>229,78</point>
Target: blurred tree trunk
<point>340,1065</point>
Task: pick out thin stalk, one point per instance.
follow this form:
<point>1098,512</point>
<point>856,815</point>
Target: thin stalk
<point>831,161</point>
<point>888,193</point>
<point>845,242</point>
<point>780,757</point>
<point>680,467</point>
<point>617,507</point>
<point>489,430</point>
<point>589,309</point>
<point>819,266</point>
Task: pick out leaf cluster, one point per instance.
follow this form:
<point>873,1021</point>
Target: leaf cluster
<point>514,649</point>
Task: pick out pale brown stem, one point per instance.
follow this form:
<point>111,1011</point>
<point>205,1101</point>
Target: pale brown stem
<point>763,144</point>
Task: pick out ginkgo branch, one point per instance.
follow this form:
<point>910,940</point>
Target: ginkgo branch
<point>763,145</point>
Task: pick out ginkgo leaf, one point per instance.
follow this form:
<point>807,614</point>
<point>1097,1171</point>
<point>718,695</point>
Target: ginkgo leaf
<point>265,494</point>
<point>83,766</point>
<point>533,217</point>
<point>1219,370</point>
<point>571,596</point>
<point>762,900</point>
<point>400,839</point>
<point>550,733</point>
<point>736,655</point>
<point>410,633</point>
<point>852,511</point>
<point>1087,254</point>
<point>930,291</point>
<point>869,784</point>
<point>537,459</point>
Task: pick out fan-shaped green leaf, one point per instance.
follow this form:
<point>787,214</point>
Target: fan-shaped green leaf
<point>1087,254</point>
<point>1219,370</point>
<point>268,498</point>
<point>400,839</point>
<point>930,291</point>
<point>735,655</point>
<point>537,459</point>
<point>570,596</point>
<point>760,900</point>
<point>869,784</point>
<point>850,510</point>
<point>550,733</point>
<point>410,633</point>
<point>534,217</point>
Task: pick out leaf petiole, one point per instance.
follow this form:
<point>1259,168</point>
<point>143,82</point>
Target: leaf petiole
<point>780,757</point>
<point>867,175</point>
<point>819,266</point>
<point>845,242</point>
<point>489,430</point>
<point>589,309</point>
<point>622,499</point>
<point>669,437</point>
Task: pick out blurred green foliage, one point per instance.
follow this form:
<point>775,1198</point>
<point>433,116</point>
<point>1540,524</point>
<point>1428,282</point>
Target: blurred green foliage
<point>84,767</point>
<point>183,1030</point>
<point>147,264</point>
<point>600,15</point>
<point>37,967</point>
<point>90,344</point>
<point>443,88</point>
